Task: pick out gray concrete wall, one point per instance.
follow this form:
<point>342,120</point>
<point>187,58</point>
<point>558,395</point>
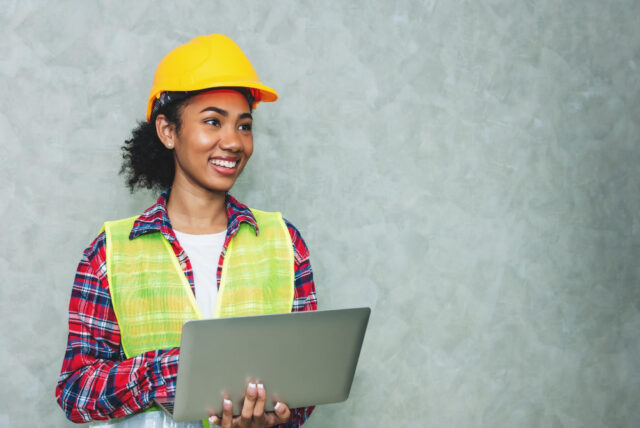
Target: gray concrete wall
<point>469,169</point>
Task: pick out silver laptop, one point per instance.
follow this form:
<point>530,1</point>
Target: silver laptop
<point>303,359</point>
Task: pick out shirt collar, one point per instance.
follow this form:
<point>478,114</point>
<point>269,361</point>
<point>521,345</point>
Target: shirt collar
<point>156,219</point>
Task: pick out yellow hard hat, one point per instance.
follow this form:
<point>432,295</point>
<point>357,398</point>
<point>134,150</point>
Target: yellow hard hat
<point>205,62</point>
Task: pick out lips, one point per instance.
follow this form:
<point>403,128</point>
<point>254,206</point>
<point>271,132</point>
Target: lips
<point>224,166</point>
<point>224,163</point>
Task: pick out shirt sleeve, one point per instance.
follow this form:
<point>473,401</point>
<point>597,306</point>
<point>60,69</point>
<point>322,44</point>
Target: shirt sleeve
<point>304,299</point>
<point>97,381</point>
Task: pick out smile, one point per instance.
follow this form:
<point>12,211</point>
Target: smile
<point>224,163</point>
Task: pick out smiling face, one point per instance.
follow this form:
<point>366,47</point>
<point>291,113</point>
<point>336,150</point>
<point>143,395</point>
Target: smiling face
<point>214,141</point>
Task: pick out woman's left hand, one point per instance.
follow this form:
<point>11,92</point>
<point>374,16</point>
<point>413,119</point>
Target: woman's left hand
<point>253,414</point>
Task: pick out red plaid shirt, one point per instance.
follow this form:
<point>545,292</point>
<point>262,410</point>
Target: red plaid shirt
<point>97,381</point>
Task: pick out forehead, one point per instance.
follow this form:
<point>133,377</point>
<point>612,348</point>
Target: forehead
<point>226,99</point>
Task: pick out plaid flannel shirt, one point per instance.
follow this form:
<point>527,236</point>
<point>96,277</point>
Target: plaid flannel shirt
<point>97,381</point>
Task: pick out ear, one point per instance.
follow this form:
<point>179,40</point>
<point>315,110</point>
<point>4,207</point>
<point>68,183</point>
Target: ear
<point>166,131</point>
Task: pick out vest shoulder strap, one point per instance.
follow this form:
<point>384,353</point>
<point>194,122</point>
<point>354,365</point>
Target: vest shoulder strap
<point>258,272</point>
<point>150,294</point>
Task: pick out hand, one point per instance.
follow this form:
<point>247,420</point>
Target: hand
<point>253,414</point>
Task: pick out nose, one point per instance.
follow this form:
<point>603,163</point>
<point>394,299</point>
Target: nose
<point>230,140</point>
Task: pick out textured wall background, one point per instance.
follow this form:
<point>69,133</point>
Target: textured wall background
<point>469,169</point>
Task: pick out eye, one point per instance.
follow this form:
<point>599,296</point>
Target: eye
<point>213,121</point>
<point>245,127</point>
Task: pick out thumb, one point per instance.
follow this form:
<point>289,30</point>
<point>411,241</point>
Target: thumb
<point>282,411</point>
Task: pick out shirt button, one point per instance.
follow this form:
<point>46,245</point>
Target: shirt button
<point>183,265</point>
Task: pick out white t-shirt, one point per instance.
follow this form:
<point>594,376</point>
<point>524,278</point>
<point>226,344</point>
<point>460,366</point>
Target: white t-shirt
<point>204,254</point>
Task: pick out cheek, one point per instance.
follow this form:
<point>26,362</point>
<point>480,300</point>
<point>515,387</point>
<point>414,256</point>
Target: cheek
<point>194,144</point>
<point>248,148</point>
<point>201,141</point>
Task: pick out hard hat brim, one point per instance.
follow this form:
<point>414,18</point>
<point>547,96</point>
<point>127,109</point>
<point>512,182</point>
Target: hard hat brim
<point>261,93</point>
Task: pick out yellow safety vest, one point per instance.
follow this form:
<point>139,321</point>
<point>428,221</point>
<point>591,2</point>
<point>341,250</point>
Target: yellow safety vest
<point>151,295</point>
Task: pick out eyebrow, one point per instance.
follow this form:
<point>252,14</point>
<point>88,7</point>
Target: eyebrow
<point>225,113</point>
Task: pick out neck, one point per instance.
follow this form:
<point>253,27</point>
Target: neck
<point>196,211</point>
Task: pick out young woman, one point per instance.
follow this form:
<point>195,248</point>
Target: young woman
<point>197,252</point>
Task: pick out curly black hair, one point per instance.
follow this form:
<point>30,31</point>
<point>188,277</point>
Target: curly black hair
<point>146,162</point>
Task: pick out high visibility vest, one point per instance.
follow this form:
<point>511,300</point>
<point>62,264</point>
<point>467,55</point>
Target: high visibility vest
<point>151,295</point>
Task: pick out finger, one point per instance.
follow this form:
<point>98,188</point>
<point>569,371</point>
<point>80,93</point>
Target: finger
<point>258,410</point>
<point>270,419</point>
<point>214,420</point>
<point>237,422</point>
<point>280,415</point>
<point>227,413</point>
<point>282,412</point>
<point>249,403</point>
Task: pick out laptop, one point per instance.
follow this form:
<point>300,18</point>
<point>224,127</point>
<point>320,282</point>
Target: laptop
<point>302,358</point>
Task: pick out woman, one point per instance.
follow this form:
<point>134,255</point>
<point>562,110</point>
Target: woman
<point>196,241</point>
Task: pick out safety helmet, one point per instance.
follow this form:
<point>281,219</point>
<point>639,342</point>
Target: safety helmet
<point>212,61</point>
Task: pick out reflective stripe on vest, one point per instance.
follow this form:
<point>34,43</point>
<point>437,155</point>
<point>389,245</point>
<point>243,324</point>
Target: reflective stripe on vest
<point>151,295</point>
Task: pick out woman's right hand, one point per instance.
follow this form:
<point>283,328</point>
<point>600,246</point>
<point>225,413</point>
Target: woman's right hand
<point>253,414</point>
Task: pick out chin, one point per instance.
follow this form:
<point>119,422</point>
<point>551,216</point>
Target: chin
<point>218,188</point>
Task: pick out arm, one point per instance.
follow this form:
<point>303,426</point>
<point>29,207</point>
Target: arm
<point>304,300</point>
<point>97,381</point>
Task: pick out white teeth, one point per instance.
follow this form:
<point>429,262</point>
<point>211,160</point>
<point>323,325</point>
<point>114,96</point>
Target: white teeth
<point>224,163</point>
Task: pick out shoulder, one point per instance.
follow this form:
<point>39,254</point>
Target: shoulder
<point>95,252</point>
<point>95,255</point>
<point>90,282</point>
<point>237,212</point>
<point>300,249</point>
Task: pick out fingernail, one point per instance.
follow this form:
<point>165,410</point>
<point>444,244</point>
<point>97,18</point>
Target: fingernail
<point>260,386</point>
<point>252,387</point>
<point>212,419</point>
<point>277,406</point>
<point>227,402</point>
